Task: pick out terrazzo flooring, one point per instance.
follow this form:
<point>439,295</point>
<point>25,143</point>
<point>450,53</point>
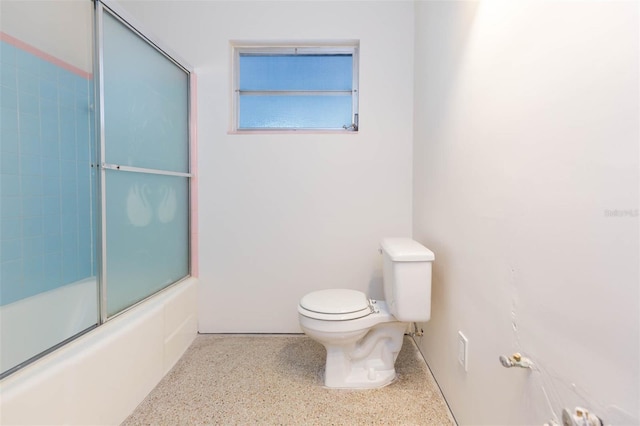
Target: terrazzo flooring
<point>277,379</point>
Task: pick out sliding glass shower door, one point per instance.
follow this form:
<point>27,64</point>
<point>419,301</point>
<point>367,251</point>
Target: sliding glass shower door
<point>48,287</point>
<point>145,166</point>
<point>94,172</point>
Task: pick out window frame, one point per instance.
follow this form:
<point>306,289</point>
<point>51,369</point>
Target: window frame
<point>350,47</point>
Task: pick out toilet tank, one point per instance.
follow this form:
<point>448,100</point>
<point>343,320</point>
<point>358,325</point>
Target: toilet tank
<point>406,270</point>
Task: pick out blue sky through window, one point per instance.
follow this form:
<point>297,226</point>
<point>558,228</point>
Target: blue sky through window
<point>280,73</point>
<point>296,72</point>
<point>304,112</point>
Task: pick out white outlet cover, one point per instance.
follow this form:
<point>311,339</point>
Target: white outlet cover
<point>463,351</point>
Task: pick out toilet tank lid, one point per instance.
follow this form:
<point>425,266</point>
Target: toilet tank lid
<point>406,250</point>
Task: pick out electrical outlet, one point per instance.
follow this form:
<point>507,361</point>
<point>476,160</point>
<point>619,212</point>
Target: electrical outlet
<point>463,351</point>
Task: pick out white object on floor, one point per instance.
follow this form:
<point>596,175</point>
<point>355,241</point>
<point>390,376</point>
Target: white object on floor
<point>363,336</point>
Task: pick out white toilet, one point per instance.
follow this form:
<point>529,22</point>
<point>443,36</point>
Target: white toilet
<point>363,336</point>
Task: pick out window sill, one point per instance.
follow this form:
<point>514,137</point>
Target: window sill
<point>292,132</point>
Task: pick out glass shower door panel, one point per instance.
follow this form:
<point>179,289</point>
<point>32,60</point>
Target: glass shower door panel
<point>145,151</point>
<point>145,103</point>
<point>147,235</point>
<point>48,289</point>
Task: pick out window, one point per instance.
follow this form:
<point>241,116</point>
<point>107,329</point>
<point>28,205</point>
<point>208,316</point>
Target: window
<point>295,88</point>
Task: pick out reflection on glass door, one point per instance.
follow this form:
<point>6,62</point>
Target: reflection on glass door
<point>145,166</point>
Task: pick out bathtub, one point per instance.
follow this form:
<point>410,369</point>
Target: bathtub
<point>100,377</point>
<point>35,324</point>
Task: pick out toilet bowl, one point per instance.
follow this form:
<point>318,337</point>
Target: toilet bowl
<point>361,352</point>
<point>363,336</point>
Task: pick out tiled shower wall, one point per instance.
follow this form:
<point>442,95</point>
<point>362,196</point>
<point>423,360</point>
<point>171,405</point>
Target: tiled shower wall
<point>46,178</point>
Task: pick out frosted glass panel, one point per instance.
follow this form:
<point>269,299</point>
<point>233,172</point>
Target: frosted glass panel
<point>147,235</point>
<point>48,290</point>
<point>302,112</point>
<point>296,72</point>
<point>302,91</point>
<point>145,103</point>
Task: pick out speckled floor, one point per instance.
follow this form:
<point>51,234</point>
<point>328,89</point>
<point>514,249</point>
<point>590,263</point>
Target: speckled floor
<point>277,380</point>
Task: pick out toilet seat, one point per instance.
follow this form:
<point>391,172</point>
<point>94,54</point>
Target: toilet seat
<point>335,305</point>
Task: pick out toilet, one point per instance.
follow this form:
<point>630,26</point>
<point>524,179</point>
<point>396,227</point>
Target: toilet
<point>363,336</point>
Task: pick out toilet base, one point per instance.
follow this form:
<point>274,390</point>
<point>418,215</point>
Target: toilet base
<point>367,363</point>
<point>359,378</point>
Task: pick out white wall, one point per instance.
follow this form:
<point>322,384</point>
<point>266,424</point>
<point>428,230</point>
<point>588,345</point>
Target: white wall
<point>526,139</point>
<point>61,28</point>
<point>282,215</point>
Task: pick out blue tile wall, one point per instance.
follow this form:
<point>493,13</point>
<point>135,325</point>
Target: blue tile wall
<point>47,229</point>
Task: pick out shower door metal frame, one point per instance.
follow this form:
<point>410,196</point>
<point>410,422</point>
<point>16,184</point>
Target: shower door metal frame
<point>115,11</point>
